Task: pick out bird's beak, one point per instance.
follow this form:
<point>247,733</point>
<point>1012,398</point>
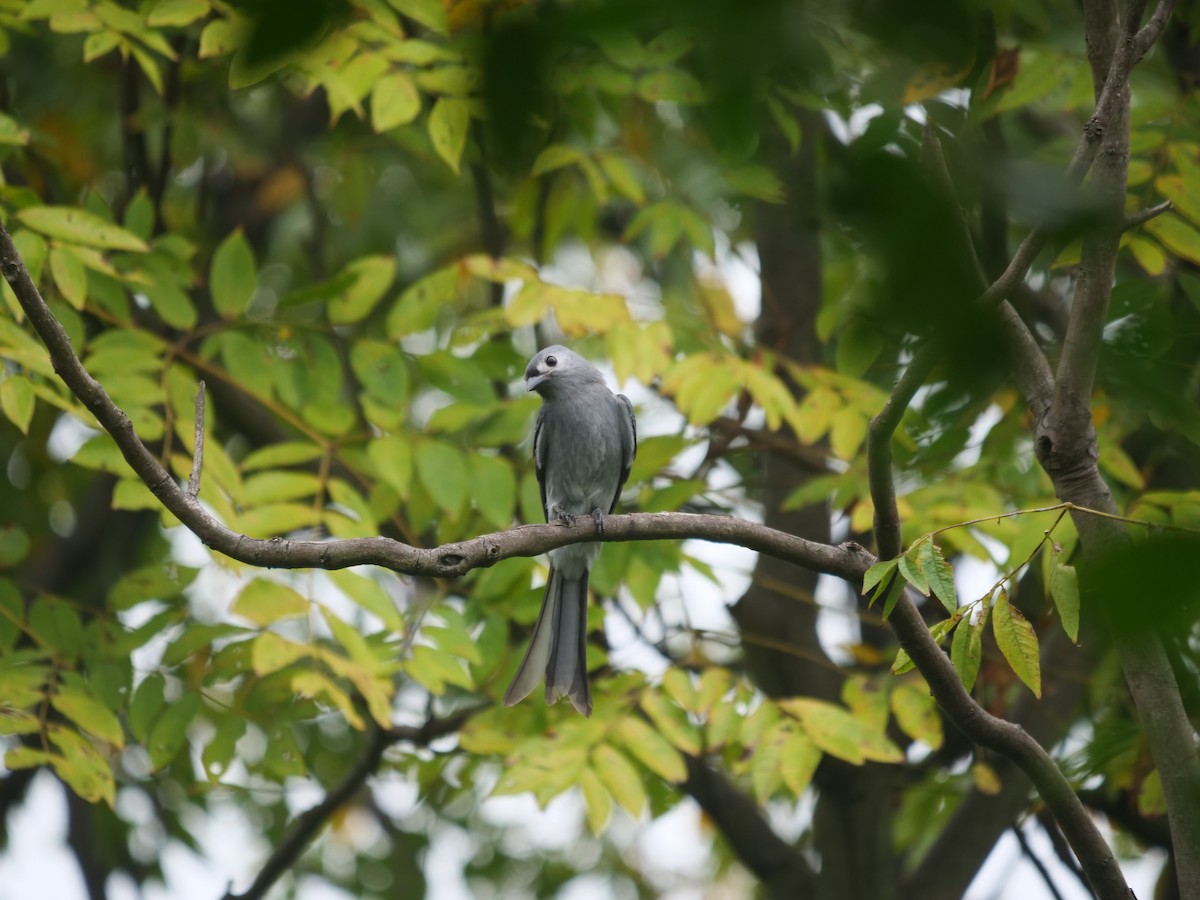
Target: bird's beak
<point>532,381</point>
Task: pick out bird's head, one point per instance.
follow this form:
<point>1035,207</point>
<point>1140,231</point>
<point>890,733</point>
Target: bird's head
<point>555,366</point>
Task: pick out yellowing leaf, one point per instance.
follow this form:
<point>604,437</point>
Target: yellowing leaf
<point>89,714</point>
<point>840,734</point>
<point>798,762</point>
<point>1176,235</point>
<point>448,129</point>
<point>69,223</point>
<point>265,602</point>
<point>917,714</point>
<point>596,799</point>
<point>617,773</point>
<point>270,653</point>
<point>651,749</point>
<point>394,101</point>
<point>1018,642</point>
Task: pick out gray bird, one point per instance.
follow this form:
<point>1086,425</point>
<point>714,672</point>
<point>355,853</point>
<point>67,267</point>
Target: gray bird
<point>583,446</point>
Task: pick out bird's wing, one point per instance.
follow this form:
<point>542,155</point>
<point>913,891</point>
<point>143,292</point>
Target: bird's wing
<point>628,446</point>
<point>539,458</point>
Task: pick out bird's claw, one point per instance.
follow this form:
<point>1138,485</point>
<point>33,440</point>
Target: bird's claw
<point>563,517</point>
<point>598,518</point>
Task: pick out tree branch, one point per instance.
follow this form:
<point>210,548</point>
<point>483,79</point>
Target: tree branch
<point>847,560</point>
<point>306,826</point>
<point>1037,863</point>
<point>776,863</point>
<point>193,485</point>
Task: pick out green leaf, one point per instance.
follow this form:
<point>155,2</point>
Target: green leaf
<point>373,275</point>
<point>381,370</point>
<point>287,453</point>
<point>673,85</point>
<point>555,157</point>
<point>153,582</point>
<point>219,751</point>
<point>418,306</point>
<point>443,473</point>
<point>89,714</point>
<point>939,574</point>
<point>651,749</point>
<point>966,650</point>
<point>917,714</point>
<point>448,129</point>
<point>1064,588</point>
<point>176,13</point>
<point>493,488</point>
<point>169,734</point>
<point>1018,642</point>
<point>69,275</point>
<point>233,276</point>
<point>617,773</point>
<point>265,602</point>
<point>393,459</point>
<point>69,223</point>
<point>146,704</point>
<point>910,568</point>
<point>57,626</point>
<point>371,596</point>
<point>18,401</point>
<point>274,487</point>
<point>430,13</point>
<point>877,574</point>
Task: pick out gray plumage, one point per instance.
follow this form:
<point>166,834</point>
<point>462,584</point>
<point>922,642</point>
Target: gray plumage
<point>583,446</point>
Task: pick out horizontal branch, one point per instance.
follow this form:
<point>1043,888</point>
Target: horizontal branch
<point>847,561</point>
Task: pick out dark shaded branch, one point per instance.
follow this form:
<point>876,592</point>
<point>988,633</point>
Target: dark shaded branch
<point>1061,848</point>
<point>172,89</point>
<point>81,837</point>
<point>776,863</point>
<point>1067,447</point>
<point>1037,863</point>
<point>308,824</point>
<point>1014,743</point>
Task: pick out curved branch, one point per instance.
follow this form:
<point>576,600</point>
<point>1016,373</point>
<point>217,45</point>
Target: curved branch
<point>777,864</point>
<point>306,826</point>
<point>847,560</point>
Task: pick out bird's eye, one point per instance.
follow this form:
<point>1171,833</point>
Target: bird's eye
<point>552,361</point>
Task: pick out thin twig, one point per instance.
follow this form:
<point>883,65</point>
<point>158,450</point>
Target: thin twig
<point>1037,863</point>
<point>306,826</point>
<point>1142,216</point>
<point>193,485</point>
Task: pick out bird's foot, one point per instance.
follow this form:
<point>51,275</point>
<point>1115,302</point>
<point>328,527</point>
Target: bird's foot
<point>598,518</point>
<point>560,515</point>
